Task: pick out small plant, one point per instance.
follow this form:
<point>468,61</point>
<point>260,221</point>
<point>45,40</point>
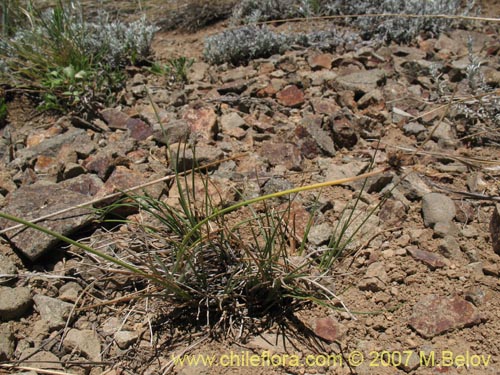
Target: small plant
<point>174,70</point>
<point>67,58</point>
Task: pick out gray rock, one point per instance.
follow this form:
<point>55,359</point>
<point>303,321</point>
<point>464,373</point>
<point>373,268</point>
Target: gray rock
<point>173,132</point>
<point>54,311</point>
<point>320,234</point>
<point>85,341</point>
<point>40,359</point>
<point>7,342</point>
<point>447,228</point>
<point>437,208</point>
<point>125,338</point>
<point>375,278</point>
<point>450,248</point>
<point>40,199</point>
<point>49,147</point>
<point>322,138</point>
<point>186,159</point>
<point>414,128</point>
<point>286,154</point>
<point>7,267</point>
<point>70,292</point>
<point>413,187</point>
<point>364,81</point>
<point>14,302</point>
<point>231,120</point>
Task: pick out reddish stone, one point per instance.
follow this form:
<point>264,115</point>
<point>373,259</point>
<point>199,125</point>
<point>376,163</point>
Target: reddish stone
<point>267,91</point>
<point>115,118</point>
<point>34,139</point>
<point>202,121</point>
<point>434,315</point>
<point>285,154</point>
<point>100,164</point>
<point>432,260</point>
<point>291,96</point>
<point>46,164</point>
<point>322,61</point>
<point>139,129</point>
<point>328,329</point>
<point>86,184</point>
<point>297,219</point>
<point>325,106</point>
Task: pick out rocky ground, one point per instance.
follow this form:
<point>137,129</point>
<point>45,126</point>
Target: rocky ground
<point>423,274</point>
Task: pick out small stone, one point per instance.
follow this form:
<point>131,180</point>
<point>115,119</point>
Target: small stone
<point>138,129</point>
<point>7,342</point>
<point>52,310</point>
<point>450,248</point>
<point>115,118</point>
<point>393,212</point>
<point>432,260</point>
<point>46,165</point>
<point>72,170</point>
<point>344,133</point>
<point>290,96</point>
<point>173,132</point>
<point>41,359</point>
<point>202,121</point>
<point>320,234</point>
<point>495,229</point>
<point>187,159</point>
<point>100,163</point>
<point>321,61</point>
<point>86,184</point>
<point>363,81</point>
<point>476,295</point>
<point>325,106</point>
<point>70,292</point>
<point>414,128</point>
<point>14,302</point>
<point>375,278</point>
<point>414,188</point>
<point>286,154</point>
<point>437,208</point>
<point>125,338</point>
<point>443,229</point>
<point>231,121</point>
<point>7,267</point>
<point>328,329</point>
<point>85,341</point>
<point>434,315</point>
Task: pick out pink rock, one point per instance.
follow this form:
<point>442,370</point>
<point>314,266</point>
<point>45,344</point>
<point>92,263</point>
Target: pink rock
<point>202,121</point>
<point>321,61</point>
<point>434,315</point>
<point>328,329</point>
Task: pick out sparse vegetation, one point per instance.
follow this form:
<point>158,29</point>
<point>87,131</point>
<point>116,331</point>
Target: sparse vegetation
<point>71,62</point>
<point>175,70</point>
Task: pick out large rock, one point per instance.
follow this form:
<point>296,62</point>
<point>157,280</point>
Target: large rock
<point>40,199</point>
<point>437,208</point>
<point>291,96</point>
